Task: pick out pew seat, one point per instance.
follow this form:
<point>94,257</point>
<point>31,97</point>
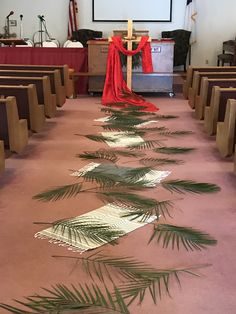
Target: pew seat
<point>27,104</point>
<point>13,131</point>
<point>217,109</point>
<point>226,130</point>
<point>43,89</point>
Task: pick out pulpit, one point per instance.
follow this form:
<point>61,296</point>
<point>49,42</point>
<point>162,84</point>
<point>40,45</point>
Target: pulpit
<point>161,80</point>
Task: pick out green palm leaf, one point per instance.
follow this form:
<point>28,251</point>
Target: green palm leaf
<point>155,282</point>
<point>181,186</point>
<point>149,144</point>
<point>175,133</point>
<point>153,162</point>
<point>110,155</point>
<point>174,236</point>
<point>137,206</point>
<point>84,299</point>
<point>81,229</point>
<point>100,154</point>
<point>165,117</point>
<point>60,192</point>
<point>136,174</point>
<point>125,153</point>
<point>100,138</point>
<point>173,150</point>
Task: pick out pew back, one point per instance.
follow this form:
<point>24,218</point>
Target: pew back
<point>43,89</point>
<point>216,111</point>
<point>64,72</point>
<point>207,84</point>
<point>195,89</point>
<point>27,103</point>
<point>54,76</point>
<point>190,72</point>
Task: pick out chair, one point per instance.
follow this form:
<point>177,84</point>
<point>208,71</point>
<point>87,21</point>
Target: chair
<point>72,44</point>
<point>225,58</point>
<point>83,35</point>
<point>182,46</point>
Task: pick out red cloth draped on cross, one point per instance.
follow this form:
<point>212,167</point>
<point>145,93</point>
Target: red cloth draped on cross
<point>115,89</point>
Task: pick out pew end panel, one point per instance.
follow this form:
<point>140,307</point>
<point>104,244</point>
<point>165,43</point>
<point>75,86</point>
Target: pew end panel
<point>2,156</point>
<point>17,129</point>
<point>37,116</point>
<point>217,110</point>
<point>201,99</point>
<point>226,131</point>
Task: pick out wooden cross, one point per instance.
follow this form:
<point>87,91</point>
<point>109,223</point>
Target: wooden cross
<point>130,39</point>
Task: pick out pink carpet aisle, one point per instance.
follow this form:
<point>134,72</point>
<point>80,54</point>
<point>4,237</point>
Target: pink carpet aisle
<point>26,263</point>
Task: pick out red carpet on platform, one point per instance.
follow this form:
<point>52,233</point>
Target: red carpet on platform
<point>27,264</point>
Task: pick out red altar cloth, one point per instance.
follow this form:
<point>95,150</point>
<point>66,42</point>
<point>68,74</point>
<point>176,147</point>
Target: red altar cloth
<point>76,58</point>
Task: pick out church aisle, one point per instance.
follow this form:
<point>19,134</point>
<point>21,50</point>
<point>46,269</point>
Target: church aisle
<point>27,264</point>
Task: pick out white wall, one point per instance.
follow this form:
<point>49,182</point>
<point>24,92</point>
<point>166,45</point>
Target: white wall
<point>215,22</point>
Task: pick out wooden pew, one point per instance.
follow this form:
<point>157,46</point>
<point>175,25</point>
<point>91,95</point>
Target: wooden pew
<point>64,72</point>
<point>190,71</point>
<point>216,111</point>
<point>43,89</point>
<point>27,104</point>
<point>13,131</point>
<point>195,89</point>
<point>203,100</point>
<point>235,159</point>
<point>226,131</point>
<point>2,156</point>
<point>54,76</point>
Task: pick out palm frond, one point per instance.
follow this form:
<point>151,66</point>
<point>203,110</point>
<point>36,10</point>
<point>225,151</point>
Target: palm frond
<point>175,133</point>
<point>165,117</point>
<point>81,229</point>
<point>60,192</point>
<point>153,162</point>
<point>174,236</point>
<point>155,129</point>
<point>149,144</point>
<point>137,206</point>
<point>100,154</point>
<point>173,150</point>
<point>100,138</point>
<point>84,299</point>
<point>156,283</point>
<point>125,153</point>
<point>102,178</point>
<point>181,186</point>
<point>136,174</point>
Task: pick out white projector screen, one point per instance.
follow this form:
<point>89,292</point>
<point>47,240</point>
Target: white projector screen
<point>136,10</point>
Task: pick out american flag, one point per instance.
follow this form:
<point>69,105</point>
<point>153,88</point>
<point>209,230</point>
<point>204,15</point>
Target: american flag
<point>73,17</point>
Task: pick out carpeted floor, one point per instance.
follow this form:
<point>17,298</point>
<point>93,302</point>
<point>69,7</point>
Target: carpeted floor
<point>26,263</point>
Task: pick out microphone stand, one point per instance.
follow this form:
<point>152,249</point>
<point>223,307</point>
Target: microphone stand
<point>41,32</point>
<point>8,28</point>
<point>21,27</point>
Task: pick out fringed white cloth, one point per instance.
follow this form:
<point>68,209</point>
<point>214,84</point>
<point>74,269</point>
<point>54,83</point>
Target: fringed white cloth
<point>151,178</point>
<point>122,139</point>
<point>108,214</point>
